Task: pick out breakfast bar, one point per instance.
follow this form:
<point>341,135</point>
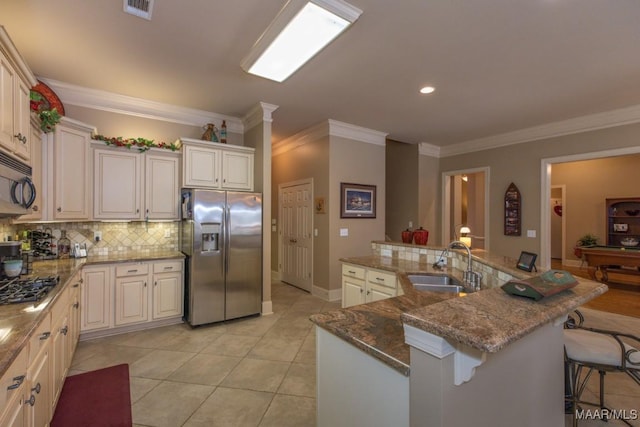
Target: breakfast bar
<point>440,358</point>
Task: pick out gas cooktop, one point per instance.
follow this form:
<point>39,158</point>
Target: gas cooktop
<point>17,290</point>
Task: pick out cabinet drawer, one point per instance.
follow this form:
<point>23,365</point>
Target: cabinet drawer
<point>167,266</point>
<point>132,270</point>
<point>382,278</point>
<point>39,339</point>
<point>11,382</point>
<point>353,271</point>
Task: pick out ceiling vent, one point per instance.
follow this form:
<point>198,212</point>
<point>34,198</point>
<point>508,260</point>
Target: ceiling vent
<point>139,8</point>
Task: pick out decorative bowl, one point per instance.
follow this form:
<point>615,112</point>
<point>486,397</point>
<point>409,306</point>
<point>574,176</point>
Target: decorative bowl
<point>629,241</point>
<point>12,268</point>
<point>632,212</point>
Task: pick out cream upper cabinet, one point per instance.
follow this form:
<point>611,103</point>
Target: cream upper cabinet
<point>214,165</point>
<point>237,170</point>
<point>117,184</point>
<point>16,80</point>
<point>162,185</point>
<point>67,167</point>
<point>133,185</point>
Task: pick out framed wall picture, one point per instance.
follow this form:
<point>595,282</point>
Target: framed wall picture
<point>512,211</point>
<point>357,200</point>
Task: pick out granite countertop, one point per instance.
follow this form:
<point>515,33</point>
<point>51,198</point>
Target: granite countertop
<point>487,320</point>
<point>18,321</point>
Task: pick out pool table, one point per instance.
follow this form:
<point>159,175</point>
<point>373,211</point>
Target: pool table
<point>603,258</point>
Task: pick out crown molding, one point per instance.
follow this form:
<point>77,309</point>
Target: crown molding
<point>304,137</point>
<point>591,122</point>
<point>138,107</point>
<point>357,133</point>
<point>6,45</point>
<point>426,149</point>
<point>259,113</point>
<point>330,128</point>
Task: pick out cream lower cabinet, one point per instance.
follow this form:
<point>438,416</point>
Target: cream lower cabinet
<point>97,298</point>
<point>361,285</point>
<point>167,289</point>
<point>38,392</point>
<point>132,294</point>
<point>13,386</point>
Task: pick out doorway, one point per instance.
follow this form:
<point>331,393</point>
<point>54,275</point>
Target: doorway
<point>557,223</point>
<point>465,195</point>
<point>295,201</point>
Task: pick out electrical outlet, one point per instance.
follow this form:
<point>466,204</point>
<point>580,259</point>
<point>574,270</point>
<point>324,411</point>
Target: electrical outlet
<point>167,234</point>
<point>97,236</point>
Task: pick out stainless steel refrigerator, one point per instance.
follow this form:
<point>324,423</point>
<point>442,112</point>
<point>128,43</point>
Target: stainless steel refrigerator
<point>221,235</point>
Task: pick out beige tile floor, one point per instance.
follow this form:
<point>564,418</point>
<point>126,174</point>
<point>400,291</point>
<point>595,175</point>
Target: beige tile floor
<point>258,371</point>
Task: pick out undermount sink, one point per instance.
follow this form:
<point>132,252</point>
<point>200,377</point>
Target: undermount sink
<point>436,283</point>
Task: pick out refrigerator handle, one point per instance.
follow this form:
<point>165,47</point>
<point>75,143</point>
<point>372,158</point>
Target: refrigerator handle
<point>227,240</point>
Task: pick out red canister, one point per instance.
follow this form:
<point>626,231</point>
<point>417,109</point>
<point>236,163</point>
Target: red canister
<point>407,236</point>
<point>420,236</point>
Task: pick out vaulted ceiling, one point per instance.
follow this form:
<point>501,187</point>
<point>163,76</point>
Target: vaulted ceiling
<point>498,65</point>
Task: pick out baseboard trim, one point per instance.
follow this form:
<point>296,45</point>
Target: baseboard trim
<point>89,335</point>
<point>267,308</point>
<point>332,295</point>
<point>275,276</point>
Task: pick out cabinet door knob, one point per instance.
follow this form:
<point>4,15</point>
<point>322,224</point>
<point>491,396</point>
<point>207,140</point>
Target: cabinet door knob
<point>35,208</point>
<point>76,305</point>
<point>59,209</point>
<point>31,401</point>
<point>45,335</point>
<point>37,388</point>
<point>64,330</point>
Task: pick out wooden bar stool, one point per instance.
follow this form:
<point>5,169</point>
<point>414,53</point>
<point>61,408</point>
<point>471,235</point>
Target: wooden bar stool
<point>600,350</point>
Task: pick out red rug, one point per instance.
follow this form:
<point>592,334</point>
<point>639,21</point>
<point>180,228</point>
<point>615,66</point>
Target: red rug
<point>96,398</point>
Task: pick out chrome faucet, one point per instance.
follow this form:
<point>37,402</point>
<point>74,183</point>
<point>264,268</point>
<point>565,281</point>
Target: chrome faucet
<point>471,279</point>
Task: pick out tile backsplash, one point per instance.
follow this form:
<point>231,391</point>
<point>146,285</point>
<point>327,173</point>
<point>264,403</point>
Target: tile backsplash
<point>117,237</point>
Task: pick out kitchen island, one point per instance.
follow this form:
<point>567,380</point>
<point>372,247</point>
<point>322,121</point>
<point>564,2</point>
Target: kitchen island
<point>485,358</point>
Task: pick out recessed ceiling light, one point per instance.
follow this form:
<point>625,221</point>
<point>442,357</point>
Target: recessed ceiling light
<point>427,89</point>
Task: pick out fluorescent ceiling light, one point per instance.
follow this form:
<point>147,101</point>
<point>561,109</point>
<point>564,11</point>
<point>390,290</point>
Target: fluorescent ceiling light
<point>296,35</point>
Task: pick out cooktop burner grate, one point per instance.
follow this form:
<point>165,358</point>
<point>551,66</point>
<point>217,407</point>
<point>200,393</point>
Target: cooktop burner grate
<point>19,290</point>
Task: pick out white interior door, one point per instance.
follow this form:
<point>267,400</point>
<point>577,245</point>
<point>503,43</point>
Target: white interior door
<point>296,228</point>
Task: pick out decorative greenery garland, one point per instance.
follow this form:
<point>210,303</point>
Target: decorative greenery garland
<point>141,144</point>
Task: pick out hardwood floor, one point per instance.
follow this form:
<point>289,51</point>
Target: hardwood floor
<point>622,298</point>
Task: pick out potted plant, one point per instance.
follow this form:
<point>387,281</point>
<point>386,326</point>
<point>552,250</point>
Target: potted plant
<point>586,240</point>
